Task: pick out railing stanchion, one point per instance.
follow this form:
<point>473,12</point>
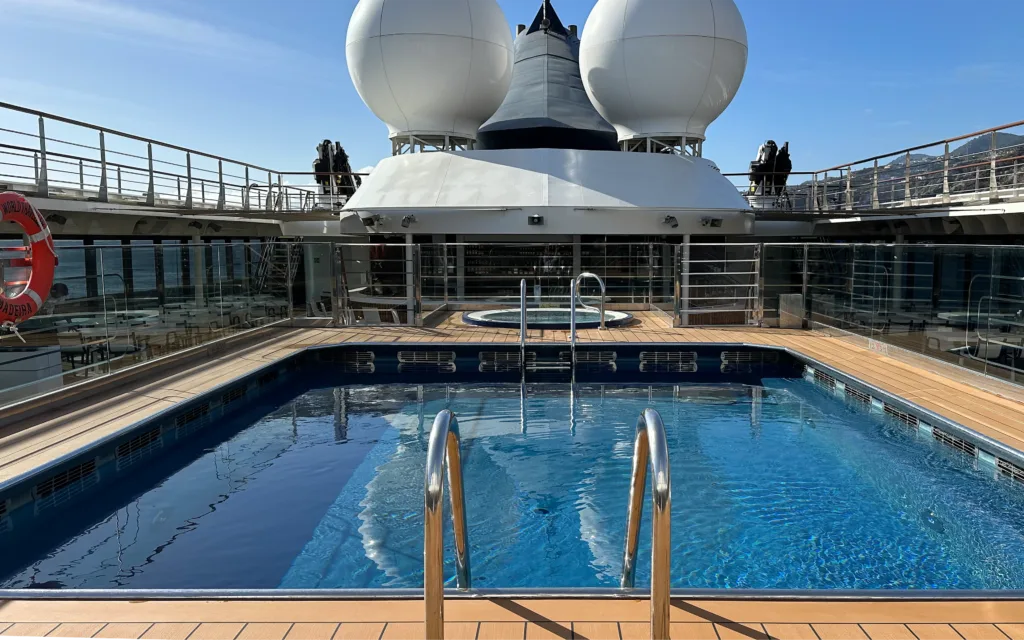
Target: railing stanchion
<point>42,183</point>
<point>245,190</point>
<point>874,187</point>
<point>151,189</point>
<point>221,193</point>
<point>993,180</point>
<point>81,176</point>
<point>907,198</point>
<point>104,194</point>
<point>849,188</point>
<point>188,179</point>
<point>945,175</point>
<point>444,446</point>
<point>650,445</point>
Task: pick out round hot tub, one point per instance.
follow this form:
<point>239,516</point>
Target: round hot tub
<point>545,318</point>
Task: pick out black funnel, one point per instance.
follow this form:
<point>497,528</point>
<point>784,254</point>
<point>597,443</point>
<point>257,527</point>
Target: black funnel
<point>547,106</point>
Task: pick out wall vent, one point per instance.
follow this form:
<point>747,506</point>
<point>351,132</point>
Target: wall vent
<point>751,357</point>
<point>64,486</point>
<point>501,361</point>
<point>668,361</point>
<point>857,394</point>
<point>426,362</point>
<point>191,421</point>
<point>592,361</point>
<point>825,379</point>
<point>955,442</point>
<point>5,522</point>
<point>357,362</point>
<point>1010,470</point>
<point>138,448</point>
<point>231,396</point>
<point>902,416</point>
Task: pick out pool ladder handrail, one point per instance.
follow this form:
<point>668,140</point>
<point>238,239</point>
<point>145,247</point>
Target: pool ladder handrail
<point>522,327</point>
<point>444,445</point>
<point>651,445</point>
<point>577,296</point>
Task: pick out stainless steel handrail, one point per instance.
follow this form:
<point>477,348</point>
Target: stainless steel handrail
<point>522,314</point>
<point>604,291</point>
<point>444,445</point>
<point>651,444</point>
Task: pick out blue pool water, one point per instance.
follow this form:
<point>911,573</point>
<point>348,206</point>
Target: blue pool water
<point>781,486</point>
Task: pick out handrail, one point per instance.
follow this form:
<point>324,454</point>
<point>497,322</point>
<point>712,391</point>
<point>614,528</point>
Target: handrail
<point>579,278</point>
<point>651,444</point>
<point>572,319</point>
<point>444,445</point>
<point>522,313</point>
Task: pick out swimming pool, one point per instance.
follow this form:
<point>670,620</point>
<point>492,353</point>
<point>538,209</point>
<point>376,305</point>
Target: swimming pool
<point>776,486</point>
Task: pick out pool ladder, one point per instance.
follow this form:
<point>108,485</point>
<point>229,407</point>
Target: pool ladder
<point>650,448</point>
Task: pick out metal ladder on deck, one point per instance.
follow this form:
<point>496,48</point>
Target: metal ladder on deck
<point>650,448</point>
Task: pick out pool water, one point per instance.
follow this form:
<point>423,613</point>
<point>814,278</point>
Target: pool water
<point>774,487</point>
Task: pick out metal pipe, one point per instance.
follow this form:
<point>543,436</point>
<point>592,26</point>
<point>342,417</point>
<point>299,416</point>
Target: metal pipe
<point>651,444</point>
<point>522,313</point>
<point>572,314</point>
<point>587,274</point>
<point>444,445</point>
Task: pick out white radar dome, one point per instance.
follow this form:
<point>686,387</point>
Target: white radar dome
<point>663,67</point>
<point>430,67</point>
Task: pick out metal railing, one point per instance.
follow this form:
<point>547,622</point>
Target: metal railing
<point>650,445</point>
<point>928,175</point>
<point>90,162</point>
<point>579,297</point>
<point>444,446</point>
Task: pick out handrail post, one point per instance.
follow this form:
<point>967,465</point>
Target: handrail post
<point>104,193</point>
<point>188,177</point>
<point>42,183</point>
<point>444,445</point>
<point>650,444</point>
<point>849,188</point>
<point>522,313</point>
<point>151,191</point>
<point>604,290</point>
<point>245,191</point>
<point>945,175</point>
<point>874,187</point>
<point>907,199</point>
<point>222,193</point>
<point>572,314</point>
<point>993,180</point>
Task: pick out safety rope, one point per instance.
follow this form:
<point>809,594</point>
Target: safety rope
<point>10,327</point>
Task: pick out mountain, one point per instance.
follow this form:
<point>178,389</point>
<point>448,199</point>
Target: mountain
<point>983,144</point>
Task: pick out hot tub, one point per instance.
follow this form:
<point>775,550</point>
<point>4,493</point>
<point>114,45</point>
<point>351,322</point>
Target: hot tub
<point>545,318</point>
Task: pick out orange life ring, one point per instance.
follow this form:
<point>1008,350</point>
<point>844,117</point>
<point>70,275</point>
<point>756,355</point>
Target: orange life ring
<point>42,258</point>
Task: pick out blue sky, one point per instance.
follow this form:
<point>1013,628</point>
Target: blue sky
<point>263,80</point>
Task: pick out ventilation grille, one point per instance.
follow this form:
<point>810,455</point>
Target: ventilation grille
<point>231,396</point>
<point>138,448</point>
<point>746,361</point>
<point>857,394</point>
<point>824,379</point>
<point>902,416</point>
<point>191,421</point>
<point>426,362</point>
<point>501,361</point>
<point>64,486</point>
<point>668,361</point>
<point>956,443</point>
<point>357,362</point>
<point>750,357</point>
<point>1010,470</point>
<point>592,361</point>
<point>5,522</point>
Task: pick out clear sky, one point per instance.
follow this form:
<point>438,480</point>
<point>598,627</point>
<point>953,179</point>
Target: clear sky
<point>264,80</point>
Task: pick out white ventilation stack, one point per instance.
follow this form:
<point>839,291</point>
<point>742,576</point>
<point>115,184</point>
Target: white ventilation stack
<point>661,71</point>
<point>432,70</point>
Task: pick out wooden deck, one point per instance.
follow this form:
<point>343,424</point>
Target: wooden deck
<point>515,619</point>
<point>997,413</point>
